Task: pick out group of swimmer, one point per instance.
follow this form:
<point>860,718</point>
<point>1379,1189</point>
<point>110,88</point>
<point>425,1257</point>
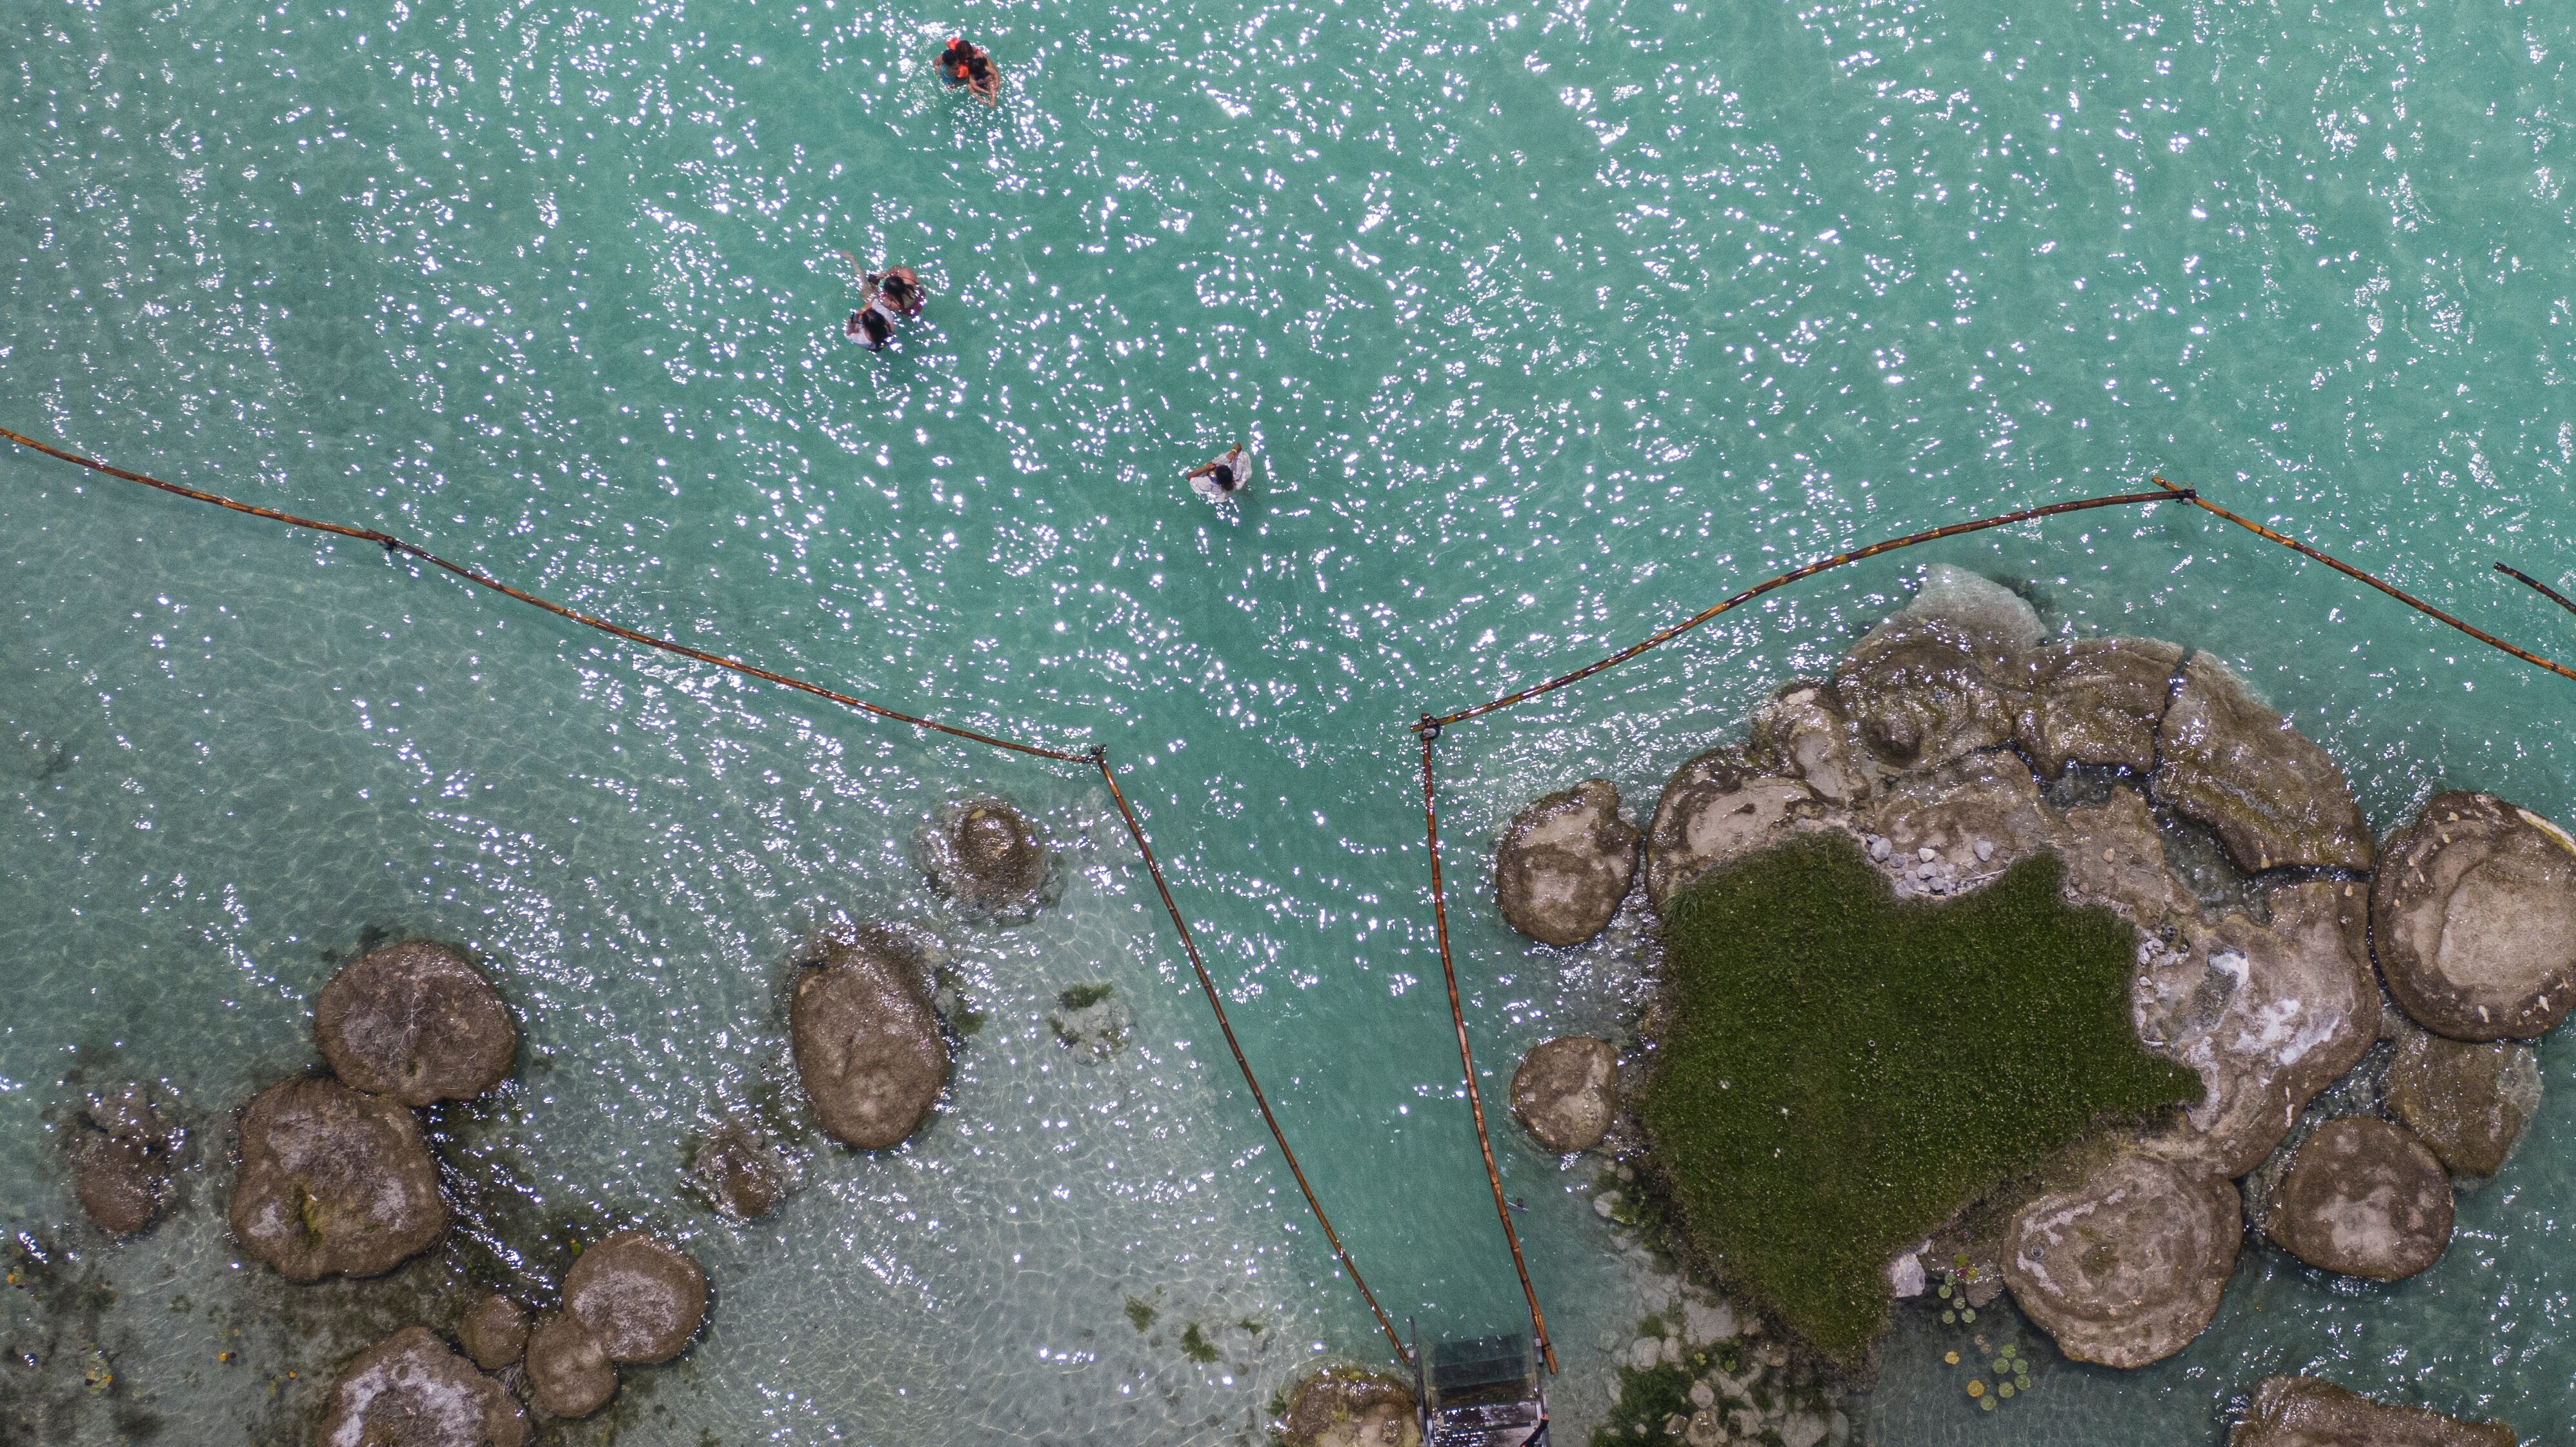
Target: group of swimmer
<point>895,294</point>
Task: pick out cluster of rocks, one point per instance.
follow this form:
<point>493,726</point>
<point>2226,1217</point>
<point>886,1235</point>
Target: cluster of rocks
<point>1955,740</point>
<point>1343,1406</point>
<point>1745,1389</point>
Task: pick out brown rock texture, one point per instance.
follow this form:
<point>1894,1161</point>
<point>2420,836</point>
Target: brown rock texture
<point>1565,863</point>
<point>1349,1407</point>
<point>2363,1197</point>
<point>2469,1103</point>
<point>409,1390</point>
<point>739,1171</point>
<point>1566,1092</point>
<point>569,1373</point>
<point>867,1043</point>
<point>333,1183</point>
<point>123,1153</point>
<point>2094,701</point>
<point>641,1299</point>
<point>1716,808</point>
<point>494,1331</point>
<point>1800,733</point>
<point>1942,677</point>
<point>2306,1412</point>
<point>2126,1266</point>
<point>985,855</point>
<point>2273,796</point>
<point>2473,919</point>
<point>417,1022</point>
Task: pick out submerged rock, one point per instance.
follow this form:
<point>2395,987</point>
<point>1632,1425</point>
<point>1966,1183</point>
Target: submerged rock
<point>1801,732</point>
<point>2273,796</point>
<point>2268,1015</point>
<point>1565,864</point>
<point>2095,701</point>
<point>494,1331</point>
<point>123,1154</point>
<point>417,1022</point>
<point>1716,808</point>
<point>2473,916</point>
<point>867,1043</point>
<point>333,1183</point>
<point>739,1171</point>
<point>1940,678</point>
<point>1566,1092</point>
<point>2307,1412</point>
<point>642,1299</point>
<point>1347,1407</point>
<point>2363,1197</point>
<point>409,1390</point>
<point>984,855</point>
<point>1089,1021</point>
<point>2469,1103</point>
<point>2126,1267</point>
<point>569,1373</point>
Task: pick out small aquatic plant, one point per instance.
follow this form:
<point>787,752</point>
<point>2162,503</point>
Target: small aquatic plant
<point>1140,1313</point>
<point>1196,1346</point>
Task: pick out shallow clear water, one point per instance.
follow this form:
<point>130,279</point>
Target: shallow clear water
<point>1549,322</point>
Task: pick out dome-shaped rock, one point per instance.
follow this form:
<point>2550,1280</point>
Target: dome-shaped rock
<point>1801,733</point>
<point>409,1390</point>
<point>1348,1407</point>
<point>2469,1102</point>
<point>2473,918</point>
<point>985,856</point>
<point>569,1373</point>
<point>2363,1197</point>
<point>1714,809</point>
<point>2273,796</point>
<point>1566,1092</point>
<point>641,1298</point>
<point>2307,1412</point>
<point>1941,677</point>
<point>739,1171</point>
<point>867,1043</point>
<point>333,1183</point>
<point>2095,701</point>
<point>494,1331</point>
<point>123,1152</point>
<point>2126,1267</point>
<point>1565,864</point>
<point>417,1022</point>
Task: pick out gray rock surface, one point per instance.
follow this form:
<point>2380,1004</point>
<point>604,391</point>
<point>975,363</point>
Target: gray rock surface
<point>569,1373</point>
<point>1716,808</point>
<point>417,1022</point>
<point>123,1153</point>
<point>2363,1197</point>
<point>1978,816</point>
<point>1350,1407</point>
<point>2273,796</point>
<point>1567,1091</point>
<point>2468,1102</point>
<point>494,1331</point>
<point>2095,701</point>
<point>641,1298</point>
<point>333,1183</point>
<point>2307,1412</point>
<point>1801,733</point>
<point>1565,864</point>
<point>985,855</point>
<point>2126,1266</point>
<point>739,1171</point>
<point>409,1390</point>
<point>2473,916</point>
<point>866,1041</point>
<point>1940,678</point>
<point>2115,857</point>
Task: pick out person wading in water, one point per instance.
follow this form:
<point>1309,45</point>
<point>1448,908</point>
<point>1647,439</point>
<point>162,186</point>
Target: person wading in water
<point>1224,477</point>
<point>972,67</point>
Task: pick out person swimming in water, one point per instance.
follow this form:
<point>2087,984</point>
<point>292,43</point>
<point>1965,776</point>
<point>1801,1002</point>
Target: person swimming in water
<point>972,67</point>
<point>869,328</point>
<point>1224,477</point>
<point>895,290</point>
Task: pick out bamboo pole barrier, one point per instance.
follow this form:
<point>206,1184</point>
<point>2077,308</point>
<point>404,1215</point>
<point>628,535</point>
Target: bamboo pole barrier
<point>2546,591</point>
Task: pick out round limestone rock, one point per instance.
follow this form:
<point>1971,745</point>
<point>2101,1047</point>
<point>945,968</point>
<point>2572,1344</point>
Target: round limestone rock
<point>409,1390</point>
<point>494,1332</point>
<point>2365,1198</point>
<point>985,856</point>
<point>641,1299</point>
<point>1348,1407</point>
<point>123,1152</point>
<point>1565,864</point>
<point>867,1043</point>
<point>2126,1267</point>
<point>1566,1092</point>
<point>2473,918</point>
<point>415,1021</point>
<point>333,1183</point>
<point>569,1373</point>
<point>739,1171</point>
<point>2469,1103</point>
<point>2307,1412</point>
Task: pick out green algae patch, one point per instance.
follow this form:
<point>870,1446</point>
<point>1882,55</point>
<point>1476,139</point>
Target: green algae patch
<point>1843,1071</point>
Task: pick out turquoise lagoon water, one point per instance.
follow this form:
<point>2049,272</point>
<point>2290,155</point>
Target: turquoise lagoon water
<point>1550,323</point>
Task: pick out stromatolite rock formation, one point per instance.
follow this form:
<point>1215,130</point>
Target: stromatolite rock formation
<point>1941,677</point>
<point>1715,808</point>
<point>739,1171</point>
<point>2114,856</point>
<point>1566,1092</point>
<point>2095,701</point>
<point>2126,1267</point>
<point>2307,1412</point>
<point>2469,1103</point>
<point>640,1298</point>
<point>123,1152</point>
<point>985,856</point>
<point>2473,916</point>
<point>2273,796</point>
<point>333,1183</point>
<point>417,1022</point>
<point>867,1043</point>
<point>494,1331</point>
<point>569,1373</point>
<point>1565,864</point>
<point>1349,1407</point>
<point>1801,732</point>
<point>409,1390</point>
<point>1959,825</point>
<point>2363,1197</point>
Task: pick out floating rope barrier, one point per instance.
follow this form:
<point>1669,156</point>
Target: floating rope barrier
<point>2546,591</point>
<point>1098,758</point>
